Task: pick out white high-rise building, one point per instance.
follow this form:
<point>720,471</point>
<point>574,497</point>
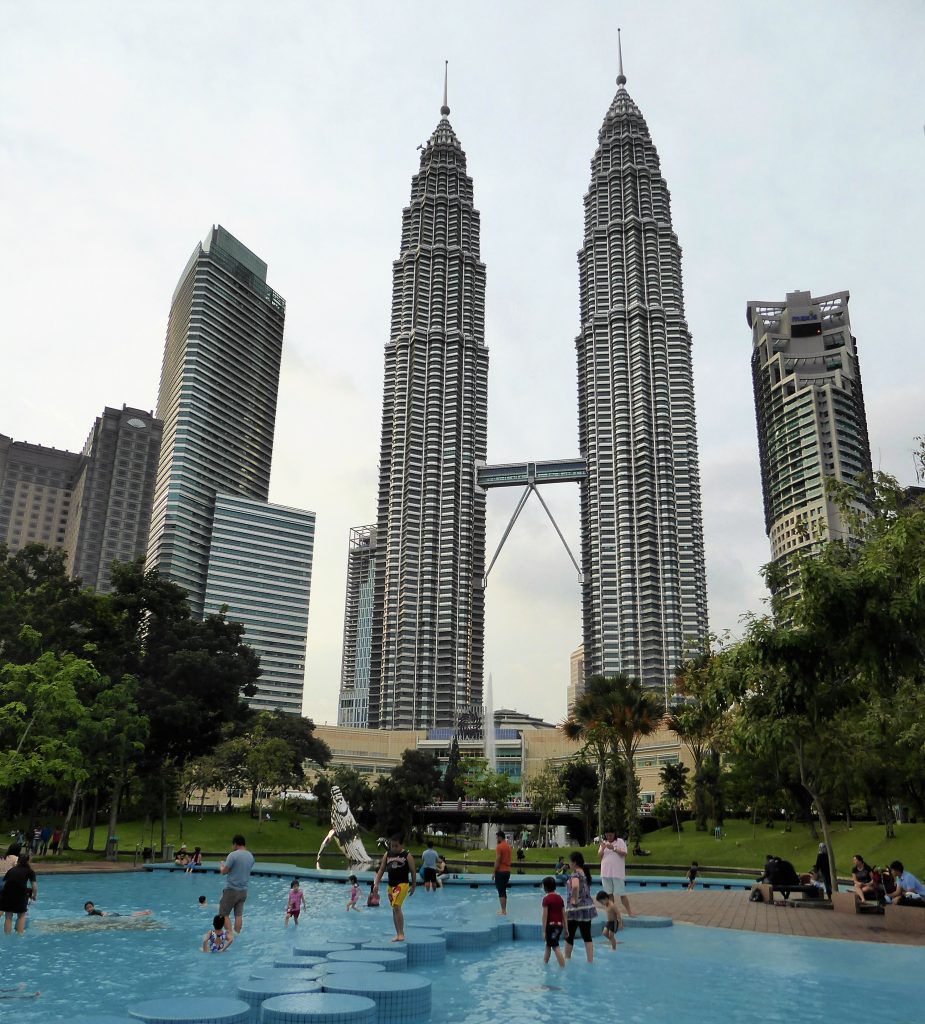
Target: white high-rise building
<point>644,590</point>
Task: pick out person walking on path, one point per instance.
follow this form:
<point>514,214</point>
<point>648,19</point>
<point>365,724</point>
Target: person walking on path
<point>612,852</point>
<point>501,874</point>
<point>399,864</point>
<point>19,889</point>
<point>553,920</point>
<point>237,866</point>
<point>580,906</point>
<point>429,863</point>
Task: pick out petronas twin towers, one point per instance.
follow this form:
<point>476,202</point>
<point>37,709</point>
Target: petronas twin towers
<point>423,561</point>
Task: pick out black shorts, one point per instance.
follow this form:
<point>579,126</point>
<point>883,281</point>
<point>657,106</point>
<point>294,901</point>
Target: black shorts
<point>578,926</point>
<point>610,926</point>
<point>502,881</point>
<point>430,876</point>
<point>553,934</point>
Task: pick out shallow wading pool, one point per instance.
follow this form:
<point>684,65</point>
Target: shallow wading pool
<point>84,968</point>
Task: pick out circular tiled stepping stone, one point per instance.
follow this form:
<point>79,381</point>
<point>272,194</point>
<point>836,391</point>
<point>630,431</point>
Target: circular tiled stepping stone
<point>192,1010</point>
<point>505,931</point>
<point>101,1018</point>
<point>391,959</point>
<point>397,996</point>
<point>299,962</point>
<point>532,932</point>
<point>342,967</point>
<point>424,948</point>
<point>646,921</point>
<point>319,1008</point>
<point>286,973</point>
<point>256,991</point>
<point>320,948</point>
<point>470,937</point>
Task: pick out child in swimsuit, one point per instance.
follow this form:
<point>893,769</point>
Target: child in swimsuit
<point>607,903</point>
<point>354,894</point>
<point>294,904</point>
<point>218,939</point>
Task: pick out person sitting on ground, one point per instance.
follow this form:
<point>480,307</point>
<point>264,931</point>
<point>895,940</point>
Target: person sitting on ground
<point>560,870</point>
<point>638,851</point>
<point>93,912</point>
<point>910,892</point>
<point>863,875</point>
<point>218,938</point>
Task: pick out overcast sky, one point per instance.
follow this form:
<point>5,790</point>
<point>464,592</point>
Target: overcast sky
<point>790,134</point>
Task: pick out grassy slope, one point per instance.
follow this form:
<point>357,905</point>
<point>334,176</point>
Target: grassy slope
<point>741,849</point>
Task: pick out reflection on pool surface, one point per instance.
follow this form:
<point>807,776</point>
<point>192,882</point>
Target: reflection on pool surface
<point>655,976</point>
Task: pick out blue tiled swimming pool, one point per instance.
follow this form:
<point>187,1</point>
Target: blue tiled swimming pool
<point>85,967</point>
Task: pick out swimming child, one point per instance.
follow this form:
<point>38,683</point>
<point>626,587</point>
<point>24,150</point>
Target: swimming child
<point>218,938</point>
<point>372,900</point>
<point>203,902</point>
<point>354,894</point>
<point>294,904</point>
<point>692,876</point>
<point>553,920</point>
<point>607,903</point>
<point>93,912</point>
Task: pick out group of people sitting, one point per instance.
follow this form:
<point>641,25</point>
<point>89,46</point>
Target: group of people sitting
<point>190,861</point>
<point>886,884</point>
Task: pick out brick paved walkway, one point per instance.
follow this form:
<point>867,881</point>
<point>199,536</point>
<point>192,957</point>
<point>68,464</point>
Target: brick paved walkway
<point>81,867</point>
<point>734,910</point>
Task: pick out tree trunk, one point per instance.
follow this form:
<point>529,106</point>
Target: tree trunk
<point>632,801</point>
<point>66,830</point>
<point>182,808</point>
<point>114,813</point>
<point>91,838</point>
<point>163,813</point>
<point>601,780</point>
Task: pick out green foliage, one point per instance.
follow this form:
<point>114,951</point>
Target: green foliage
<point>413,782</point>
<point>453,787</point>
<point>579,780</point>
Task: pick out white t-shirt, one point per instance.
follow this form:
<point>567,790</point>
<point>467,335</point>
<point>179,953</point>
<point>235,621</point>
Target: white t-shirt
<point>613,861</point>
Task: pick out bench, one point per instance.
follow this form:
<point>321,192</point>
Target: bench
<point>904,919</point>
<point>848,903</point>
<point>811,893</point>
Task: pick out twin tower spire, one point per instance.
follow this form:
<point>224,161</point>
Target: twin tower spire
<point>414,636</point>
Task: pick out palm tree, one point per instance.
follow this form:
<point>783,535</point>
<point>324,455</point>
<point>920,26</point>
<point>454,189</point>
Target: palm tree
<point>636,712</point>
<point>588,724</point>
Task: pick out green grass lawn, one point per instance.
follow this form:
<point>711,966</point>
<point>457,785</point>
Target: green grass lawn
<point>743,847</point>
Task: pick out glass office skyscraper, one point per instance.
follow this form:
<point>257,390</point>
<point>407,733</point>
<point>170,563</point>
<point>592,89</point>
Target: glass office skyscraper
<point>217,401</point>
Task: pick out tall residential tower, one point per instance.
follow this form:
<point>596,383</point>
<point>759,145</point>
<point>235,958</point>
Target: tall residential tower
<point>811,420</point>
<point>428,616</point>
<point>217,400</point>
<point>644,590</point>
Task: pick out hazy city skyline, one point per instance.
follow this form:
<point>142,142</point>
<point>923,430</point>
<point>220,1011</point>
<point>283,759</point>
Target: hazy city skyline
<point>790,137</point>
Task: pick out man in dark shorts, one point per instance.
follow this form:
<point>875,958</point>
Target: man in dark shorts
<point>502,870</point>
<point>399,864</point>
<point>237,866</point>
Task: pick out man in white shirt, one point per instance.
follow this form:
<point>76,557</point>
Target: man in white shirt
<point>612,852</point>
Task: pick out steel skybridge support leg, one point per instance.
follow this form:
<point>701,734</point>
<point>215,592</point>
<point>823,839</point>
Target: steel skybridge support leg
<point>559,532</point>
<point>510,526</point>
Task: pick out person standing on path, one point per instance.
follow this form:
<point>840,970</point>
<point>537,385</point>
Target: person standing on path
<point>612,852</point>
<point>237,866</point>
<point>501,875</point>
<point>580,906</point>
<point>429,863</point>
<point>399,864</point>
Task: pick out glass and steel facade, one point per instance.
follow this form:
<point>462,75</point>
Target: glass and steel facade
<point>428,616</point>
<point>644,600</point>
<point>812,425</point>
<point>362,557</point>
<point>217,400</point>
<point>260,574</point>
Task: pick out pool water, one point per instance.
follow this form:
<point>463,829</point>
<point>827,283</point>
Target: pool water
<point>656,976</point>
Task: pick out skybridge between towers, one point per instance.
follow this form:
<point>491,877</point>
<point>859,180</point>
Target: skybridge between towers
<point>530,475</point>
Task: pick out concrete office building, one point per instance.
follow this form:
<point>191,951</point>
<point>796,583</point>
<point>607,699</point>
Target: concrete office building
<point>36,493</point>
<point>217,400</point>
<point>260,573</point>
<point>644,602</point>
<point>353,703</point>
<point>111,501</point>
<point>812,426</point>
<point>428,621</point>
